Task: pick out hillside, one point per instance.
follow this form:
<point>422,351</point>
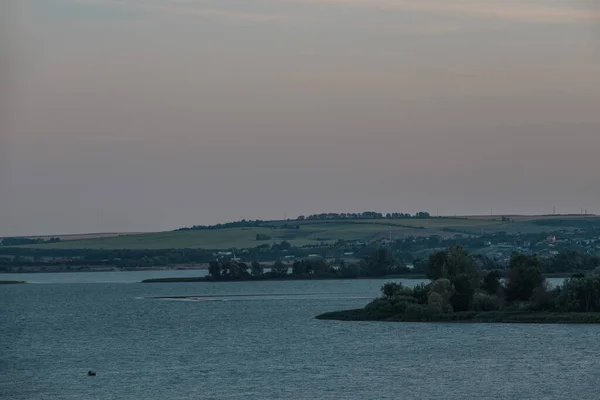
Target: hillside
<point>300,233</point>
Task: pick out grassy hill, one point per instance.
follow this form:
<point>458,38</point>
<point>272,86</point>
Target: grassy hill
<point>310,232</point>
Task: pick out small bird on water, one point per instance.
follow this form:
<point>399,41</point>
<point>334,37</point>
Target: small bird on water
<point>91,373</point>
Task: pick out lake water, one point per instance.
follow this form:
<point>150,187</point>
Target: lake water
<point>260,340</point>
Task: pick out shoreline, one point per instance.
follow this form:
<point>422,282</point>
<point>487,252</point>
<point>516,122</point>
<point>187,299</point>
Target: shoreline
<point>504,317</point>
<point>61,269</point>
<point>310,278</point>
<point>279,278</point>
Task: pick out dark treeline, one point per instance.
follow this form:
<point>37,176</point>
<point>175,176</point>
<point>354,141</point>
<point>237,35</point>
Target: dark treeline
<point>459,290</point>
<point>20,241</point>
<point>243,224</point>
<point>19,256</point>
<point>363,215</point>
<point>401,251</point>
<point>379,263</point>
<point>313,217</point>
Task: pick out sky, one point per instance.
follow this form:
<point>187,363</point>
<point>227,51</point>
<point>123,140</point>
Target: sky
<point>146,115</point>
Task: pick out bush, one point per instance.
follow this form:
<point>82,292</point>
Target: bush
<point>384,308</point>
<point>463,292</point>
<point>486,302</point>
<point>417,312</point>
<point>391,289</point>
<point>580,294</point>
<point>420,292</point>
<point>543,298</point>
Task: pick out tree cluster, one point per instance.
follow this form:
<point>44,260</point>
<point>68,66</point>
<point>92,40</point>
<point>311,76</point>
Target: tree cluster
<point>458,286</point>
<point>363,215</point>
<point>379,263</point>
<point>23,241</point>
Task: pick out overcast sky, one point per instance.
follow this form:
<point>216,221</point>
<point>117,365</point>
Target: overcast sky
<point>143,115</point>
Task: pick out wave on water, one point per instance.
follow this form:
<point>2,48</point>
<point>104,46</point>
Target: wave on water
<point>263,297</point>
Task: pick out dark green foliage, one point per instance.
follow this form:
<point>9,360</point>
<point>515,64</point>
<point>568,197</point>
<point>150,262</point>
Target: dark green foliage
<point>463,292</point>
<point>450,263</point>
<point>256,269</point>
<point>262,236</point>
<point>21,241</point>
<point>363,215</point>
<point>543,298</point>
<point>387,308</point>
<point>524,275</point>
<point>528,299</point>
<point>214,270</point>
<point>391,289</point>
<point>349,270</point>
<point>491,282</point>
<point>571,261</point>
<point>318,267</point>
<point>381,263</point>
<point>231,270</point>
<point>486,302</point>
<point>420,292</point>
<point>486,263</point>
<point>279,269</point>
<point>580,294</point>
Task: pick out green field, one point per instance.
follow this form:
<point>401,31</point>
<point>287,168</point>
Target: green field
<point>310,232</point>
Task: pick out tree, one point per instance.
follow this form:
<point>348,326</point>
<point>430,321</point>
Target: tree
<point>391,289</point>
<point>300,268</point>
<point>234,271</point>
<point>491,282</point>
<point>349,270</point>
<point>256,269</point>
<point>463,292</point>
<point>214,270</point>
<point>580,294</point>
<point>524,275</point>
<point>382,262</point>
<point>439,296</point>
<point>319,267</point>
<point>279,268</point>
<point>450,263</point>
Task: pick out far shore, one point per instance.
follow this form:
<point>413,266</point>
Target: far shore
<point>307,278</point>
<point>113,268</point>
<point>279,278</point>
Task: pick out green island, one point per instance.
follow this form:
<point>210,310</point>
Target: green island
<point>459,292</point>
<point>11,282</point>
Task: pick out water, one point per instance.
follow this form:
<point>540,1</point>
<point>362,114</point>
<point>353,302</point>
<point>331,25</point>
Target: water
<point>100,277</point>
<point>262,342</point>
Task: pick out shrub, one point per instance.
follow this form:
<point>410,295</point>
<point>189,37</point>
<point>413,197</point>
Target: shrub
<point>486,302</point>
<point>391,289</point>
<point>383,308</point>
<point>417,312</point>
<point>420,292</point>
<point>543,298</point>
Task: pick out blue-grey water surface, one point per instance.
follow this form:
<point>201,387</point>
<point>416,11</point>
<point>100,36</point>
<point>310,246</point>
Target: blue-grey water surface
<point>259,340</point>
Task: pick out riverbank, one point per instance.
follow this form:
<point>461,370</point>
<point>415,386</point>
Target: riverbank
<point>308,278</point>
<point>279,278</point>
<point>521,317</point>
<point>95,268</point>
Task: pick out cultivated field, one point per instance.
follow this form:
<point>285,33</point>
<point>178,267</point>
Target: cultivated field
<point>310,232</point>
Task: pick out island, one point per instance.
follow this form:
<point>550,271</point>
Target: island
<point>11,282</point>
<point>458,293</point>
